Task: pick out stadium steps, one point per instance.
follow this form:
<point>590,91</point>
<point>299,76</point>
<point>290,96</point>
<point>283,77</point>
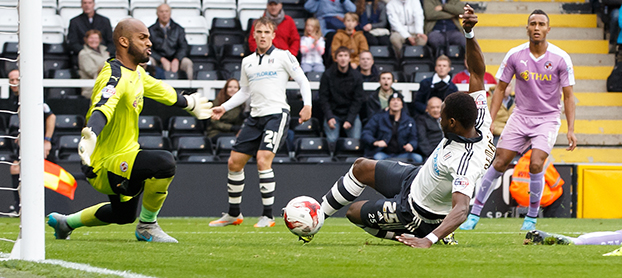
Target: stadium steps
<point>598,124</point>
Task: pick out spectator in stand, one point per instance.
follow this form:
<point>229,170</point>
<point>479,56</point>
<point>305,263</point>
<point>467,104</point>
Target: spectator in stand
<point>92,58</point>
<point>442,24</point>
<point>350,38</point>
<point>463,77</point>
<point>391,133</point>
<point>439,85</point>
<point>330,13</point>
<point>379,99</point>
<point>88,20</point>
<point>406,19</point>
<point>312,46</point>
<point>341,97</point>
<point>170,48</point>
<point>373,21</point>
<point>230,122</point>
<point>429,129</point>
<point>367,68</point>
<point>287,37</point>
<point>612,8</point>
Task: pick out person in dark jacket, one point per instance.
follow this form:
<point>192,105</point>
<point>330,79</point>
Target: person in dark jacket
<point>429,129</point>
<point>170,47</point>
<point>391,133</point>
<point>88,20</point>
<point>379,99</point>
<point>341,97</point>
<point>439,85</point>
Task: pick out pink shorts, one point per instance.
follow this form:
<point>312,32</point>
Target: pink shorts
<point>522,131</point>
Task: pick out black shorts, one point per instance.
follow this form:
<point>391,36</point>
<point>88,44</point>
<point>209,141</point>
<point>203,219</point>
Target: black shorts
<point>266,133</point>
<point>393,180</point>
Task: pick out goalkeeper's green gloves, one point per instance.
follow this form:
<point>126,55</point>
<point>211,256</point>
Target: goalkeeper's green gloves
<point>87,145</point>
<point>198,106</point>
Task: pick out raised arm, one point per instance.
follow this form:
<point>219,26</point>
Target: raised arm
<point>474,55</point>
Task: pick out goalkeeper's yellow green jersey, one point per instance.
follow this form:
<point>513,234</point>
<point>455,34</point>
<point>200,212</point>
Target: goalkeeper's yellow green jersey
<point>118,93</point>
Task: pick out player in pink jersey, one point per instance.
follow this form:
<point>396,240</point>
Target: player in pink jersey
<point>543,73</point>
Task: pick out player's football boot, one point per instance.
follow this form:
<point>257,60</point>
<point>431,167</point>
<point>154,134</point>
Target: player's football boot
<point>536,237</point>
<point>617,252</point>
<point>448,240</point>
<point>227,220</point>
<point>306,239</point>
<point>152,232</point>
<point>470,223</point>
<point>265,221</point>
<point>59,223</point>
<point>529,224</point>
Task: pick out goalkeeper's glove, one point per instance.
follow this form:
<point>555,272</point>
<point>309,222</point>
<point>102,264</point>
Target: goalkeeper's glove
<point>198,106</point>
<point>87,145</point>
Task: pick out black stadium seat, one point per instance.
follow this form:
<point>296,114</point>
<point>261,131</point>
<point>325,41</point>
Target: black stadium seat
<point>154,142</point>
<point>207,75</point>
<point>191,146</point>
<point>184,126</point>
<point>149,125</point>
<point>347,148</point>
<point>68,124</point>
<point>418,76</point>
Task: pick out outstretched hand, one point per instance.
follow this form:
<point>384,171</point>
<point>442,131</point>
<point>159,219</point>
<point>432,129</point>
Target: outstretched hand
<point>469,18</point>
<point>413,241</point>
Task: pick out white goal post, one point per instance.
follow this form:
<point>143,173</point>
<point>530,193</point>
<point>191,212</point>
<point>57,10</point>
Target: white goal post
<point>30,244</point>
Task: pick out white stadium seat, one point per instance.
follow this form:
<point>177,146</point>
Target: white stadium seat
<point>8,3</point>
<point>112,4</point>
<point>115,15</point>
<point>210,14</point>
<point>186,4</point>
<point>192,24</point>
<point>145,4</point>
<point>69,4</point>
<point>196,39</point>
<point>68,13</point>
<point>248,9</point>
<point>219,4</point>
<point>52,24</point>
<point>9,21</point>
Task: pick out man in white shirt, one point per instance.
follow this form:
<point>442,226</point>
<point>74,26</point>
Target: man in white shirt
<point>406,19</point>
<point>264,77</point>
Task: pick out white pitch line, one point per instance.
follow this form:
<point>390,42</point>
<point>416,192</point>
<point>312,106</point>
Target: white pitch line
<point>85,267</point>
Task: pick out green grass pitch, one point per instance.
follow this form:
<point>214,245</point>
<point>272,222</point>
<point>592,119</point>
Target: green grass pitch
<point>340,249</point>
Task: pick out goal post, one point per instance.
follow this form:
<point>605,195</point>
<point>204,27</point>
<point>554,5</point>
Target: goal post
<point>30,244</point>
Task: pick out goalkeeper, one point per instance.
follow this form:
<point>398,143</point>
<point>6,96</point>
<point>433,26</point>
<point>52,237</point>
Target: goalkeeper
<point>111,158</point>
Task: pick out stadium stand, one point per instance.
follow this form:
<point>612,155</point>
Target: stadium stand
<point>218,9</point>
<point>154,142</point>
<point>185,126</point>
<point>149,125</point>
<point>68,124</point>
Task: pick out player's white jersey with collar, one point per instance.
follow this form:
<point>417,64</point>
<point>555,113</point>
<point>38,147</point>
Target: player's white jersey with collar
<point>456,165</point>
<point>266,76</point>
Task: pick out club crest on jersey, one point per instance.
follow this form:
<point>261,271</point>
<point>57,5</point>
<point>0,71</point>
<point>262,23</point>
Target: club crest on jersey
<point>548,65</point>
<point>108,91</point>
<point>271,61</point>
<point>461,183</point>
<point>525,75</point>
<point>480,101</point>
<point>124,166</point>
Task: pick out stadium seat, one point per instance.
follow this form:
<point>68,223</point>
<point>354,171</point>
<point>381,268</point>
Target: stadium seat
<point>203,66</point>
<point>230,67</point>
<point>7,37</point>
<point>300,24</point>
<point>149,125</point>
<point>178,13</point>
<point>218,9</point>
<point>314,76</point>
<point>185,4</point>
<point>62,93</point>
<point>418,76</point>
<point>416,55</point>
<point>154,142</point>
<point>6,145</point>
<point>456,68</point>
<point>384,66</point>
<point>398,76</point>
<point>68,124</point>
<point>114,14</point>
<point>224,145</point>
<point>409,69</point>
<point>312,147</point>
<point>112,4</point>
<point>13,124</point>
<point>219,40</point>
<point>348,147</point>
<point>309,128</point>
<point>224,74</point>
<point>68,148</point>
<point>455,53</point>
<point>189,146</point>
<point>184,126</point>
<point>246,15</point>
<point>233,51</point>
<point>196,39</point>
<point>207,75</point>
<point>10,19</point>
<point>200,51</point>
<point>52,65</point>
<point>381,52</point>
<point>147,15</point>
<point>54,49</point>
<point>62,74</point>
<point>220,24</point>
<point>171,75</point>
<point>295,11</point>
<point>145,4</point>
<point>67,13</point>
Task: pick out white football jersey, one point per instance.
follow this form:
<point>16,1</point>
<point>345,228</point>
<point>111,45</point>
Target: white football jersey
<point>454,166</point>
<point>266,76</point>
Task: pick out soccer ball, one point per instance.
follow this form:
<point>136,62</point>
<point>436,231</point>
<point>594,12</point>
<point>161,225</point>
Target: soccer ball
<point>303,216</point>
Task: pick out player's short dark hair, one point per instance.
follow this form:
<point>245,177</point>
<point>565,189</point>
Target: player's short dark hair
<point>342,49</point>
<point>538,11</point>
<point>265,21</point>
<point>461,107</point>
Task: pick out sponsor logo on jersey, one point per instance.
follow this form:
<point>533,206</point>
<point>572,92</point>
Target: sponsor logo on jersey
<point>525,75</point>
<point>124,166</point>
<point>524,62</point>
<point>108,91</point>
<point>461,183</point>
<point>435,160</point>
<point>548,65</point>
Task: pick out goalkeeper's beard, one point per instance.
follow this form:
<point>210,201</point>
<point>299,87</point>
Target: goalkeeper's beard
<point>139,57</point>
